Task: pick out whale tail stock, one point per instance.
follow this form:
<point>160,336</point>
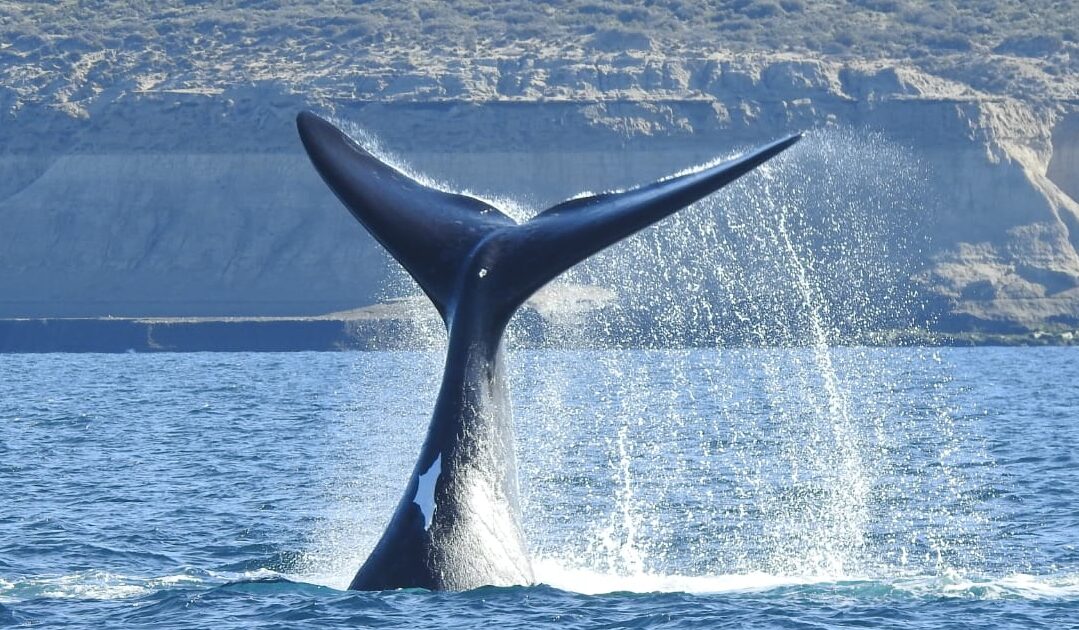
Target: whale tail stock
<point>437,236</point>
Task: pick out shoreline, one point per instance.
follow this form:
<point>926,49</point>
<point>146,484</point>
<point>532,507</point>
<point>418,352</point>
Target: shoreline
<point>335,334</point>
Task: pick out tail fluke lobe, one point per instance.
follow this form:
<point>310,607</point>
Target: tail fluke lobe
<point>430,232</point>
<point>539,250</point>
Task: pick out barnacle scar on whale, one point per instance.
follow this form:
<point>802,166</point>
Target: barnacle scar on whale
<point>456,526</point>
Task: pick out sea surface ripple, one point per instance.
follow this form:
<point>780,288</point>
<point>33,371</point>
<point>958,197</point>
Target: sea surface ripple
<point>886,488</point>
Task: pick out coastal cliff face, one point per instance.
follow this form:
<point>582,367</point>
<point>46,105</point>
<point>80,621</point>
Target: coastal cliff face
<point>133,194</point>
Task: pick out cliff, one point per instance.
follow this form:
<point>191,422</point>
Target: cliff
<point>130,191</point>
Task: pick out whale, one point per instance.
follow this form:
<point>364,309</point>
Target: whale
<point>457,525</point>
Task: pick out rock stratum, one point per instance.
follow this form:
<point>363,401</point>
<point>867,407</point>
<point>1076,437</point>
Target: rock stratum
<point>131,187</point>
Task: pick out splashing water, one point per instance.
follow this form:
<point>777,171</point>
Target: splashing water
<point>816,251</point>
<point>787,455</point>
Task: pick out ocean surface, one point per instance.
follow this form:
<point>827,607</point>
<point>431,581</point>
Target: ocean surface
<point>788,488</point>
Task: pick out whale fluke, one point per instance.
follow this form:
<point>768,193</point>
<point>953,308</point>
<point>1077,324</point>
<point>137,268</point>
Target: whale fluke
<point>456,526</point>
<point>568,233</point>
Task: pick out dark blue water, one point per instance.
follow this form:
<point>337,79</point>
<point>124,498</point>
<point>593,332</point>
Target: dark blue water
<point>794,488</point>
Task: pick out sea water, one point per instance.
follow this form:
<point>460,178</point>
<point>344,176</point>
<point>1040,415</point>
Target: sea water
<point>792,487</point>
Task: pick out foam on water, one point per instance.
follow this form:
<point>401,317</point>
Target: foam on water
<point>589,582</point>
<point>950,584</point>
<point>98,585</point>
<point>104,585</point>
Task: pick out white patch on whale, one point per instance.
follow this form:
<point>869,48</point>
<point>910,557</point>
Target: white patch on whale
<point>425,491</point>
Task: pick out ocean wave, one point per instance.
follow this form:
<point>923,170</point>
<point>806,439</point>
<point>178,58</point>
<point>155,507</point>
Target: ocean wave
<point>951,584</point>
<point>99,584</point>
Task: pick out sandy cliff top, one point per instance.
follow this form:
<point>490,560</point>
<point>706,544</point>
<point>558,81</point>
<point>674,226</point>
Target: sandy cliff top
<point>70,55</point>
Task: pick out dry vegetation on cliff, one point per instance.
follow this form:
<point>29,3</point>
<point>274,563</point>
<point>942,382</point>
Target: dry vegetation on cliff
<point>868,28</point>
<point>1001,46</point>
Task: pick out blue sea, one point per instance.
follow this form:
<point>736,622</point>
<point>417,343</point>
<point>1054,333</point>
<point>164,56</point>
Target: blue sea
<point>809,487</point>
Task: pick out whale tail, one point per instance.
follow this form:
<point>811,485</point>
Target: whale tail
<point>478,266</point>
<point>436,236</point>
